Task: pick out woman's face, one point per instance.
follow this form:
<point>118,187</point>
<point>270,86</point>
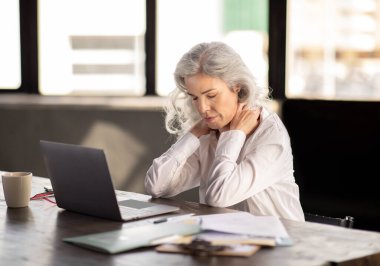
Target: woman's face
<point>215,102</point>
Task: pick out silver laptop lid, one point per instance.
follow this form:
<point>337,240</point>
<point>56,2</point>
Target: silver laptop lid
<point>80,179</point>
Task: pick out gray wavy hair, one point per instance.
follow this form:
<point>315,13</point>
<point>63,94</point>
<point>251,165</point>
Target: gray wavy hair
<point>215,59</point>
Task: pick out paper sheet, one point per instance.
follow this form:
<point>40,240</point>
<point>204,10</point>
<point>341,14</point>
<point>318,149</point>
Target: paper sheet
<point>219,238</point>
<point>244,223</point>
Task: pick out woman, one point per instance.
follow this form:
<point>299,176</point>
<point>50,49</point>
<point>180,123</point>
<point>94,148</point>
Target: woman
<point>229,145</point>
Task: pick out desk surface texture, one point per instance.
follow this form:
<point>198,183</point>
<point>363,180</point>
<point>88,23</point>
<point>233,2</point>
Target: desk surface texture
<point>33,236</point>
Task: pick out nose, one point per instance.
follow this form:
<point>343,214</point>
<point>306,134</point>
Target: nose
<point>203,106</point>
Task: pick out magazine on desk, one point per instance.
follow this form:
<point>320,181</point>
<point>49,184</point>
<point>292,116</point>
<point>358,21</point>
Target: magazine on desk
<point>125,239</point>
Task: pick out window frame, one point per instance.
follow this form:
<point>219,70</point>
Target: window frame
<point>277,48</point>
<point>28,48</point>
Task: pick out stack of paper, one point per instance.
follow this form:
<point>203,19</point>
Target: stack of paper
<point>243,227</point>
<point>241,233</point>
<point>235,250</point>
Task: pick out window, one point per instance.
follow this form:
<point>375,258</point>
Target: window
<point>182,23</point>
<point>333,49</point>
<point>10,62</point>
<point>91,47</point>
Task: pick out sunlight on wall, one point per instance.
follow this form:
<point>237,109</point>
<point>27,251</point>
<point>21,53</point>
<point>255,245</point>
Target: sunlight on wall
<point>123,152</point>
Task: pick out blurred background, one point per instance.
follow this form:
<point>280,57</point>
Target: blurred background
<point>98,72</point>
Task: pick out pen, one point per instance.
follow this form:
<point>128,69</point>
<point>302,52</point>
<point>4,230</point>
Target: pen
<point>173,218</point>
<point>160,221</point>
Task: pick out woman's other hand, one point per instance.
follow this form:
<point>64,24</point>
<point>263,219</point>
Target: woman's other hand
<point>246,119</point>
<point>200,129</point>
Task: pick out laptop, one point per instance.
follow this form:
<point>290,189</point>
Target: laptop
<point>82,183</point>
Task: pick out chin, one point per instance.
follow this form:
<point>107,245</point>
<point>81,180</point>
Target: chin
<point>215,126</point>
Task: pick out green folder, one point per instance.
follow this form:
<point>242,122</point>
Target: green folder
<point>117,241</point>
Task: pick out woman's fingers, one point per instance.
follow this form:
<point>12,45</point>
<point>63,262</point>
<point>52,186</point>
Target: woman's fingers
<point>246,119</point>
<point>257,112</point>
<point>200,129</point>
<point>242,106</point>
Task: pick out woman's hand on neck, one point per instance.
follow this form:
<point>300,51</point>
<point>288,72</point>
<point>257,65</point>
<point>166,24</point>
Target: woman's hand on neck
<point>200,129</point>
<point>246,120</point>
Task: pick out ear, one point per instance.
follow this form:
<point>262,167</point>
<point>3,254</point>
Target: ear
<point>236,89</point>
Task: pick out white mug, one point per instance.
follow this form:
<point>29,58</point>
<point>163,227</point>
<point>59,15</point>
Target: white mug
<point>17,188</point>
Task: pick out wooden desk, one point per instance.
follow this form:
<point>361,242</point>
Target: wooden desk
<point>33,236</point>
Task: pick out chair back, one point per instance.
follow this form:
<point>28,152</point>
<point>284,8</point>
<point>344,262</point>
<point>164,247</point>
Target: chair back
<point>347,221</point>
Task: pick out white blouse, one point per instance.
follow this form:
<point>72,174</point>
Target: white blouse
<point>253,175</point>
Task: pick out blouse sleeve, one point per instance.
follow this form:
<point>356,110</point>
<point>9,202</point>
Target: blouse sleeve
<point>230,183</point>
<point>176,170</point>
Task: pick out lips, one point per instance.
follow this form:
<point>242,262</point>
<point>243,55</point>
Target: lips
<point>209,119</point>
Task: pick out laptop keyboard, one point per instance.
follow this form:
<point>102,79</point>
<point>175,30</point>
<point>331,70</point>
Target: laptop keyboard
<point>127,212</point>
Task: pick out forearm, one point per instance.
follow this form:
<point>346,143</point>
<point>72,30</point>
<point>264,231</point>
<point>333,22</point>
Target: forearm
<point>174,171</point>
<point>260,166</point>
<point>222,185</point>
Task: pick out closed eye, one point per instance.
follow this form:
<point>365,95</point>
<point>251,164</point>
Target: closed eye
<point>209,96</point>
